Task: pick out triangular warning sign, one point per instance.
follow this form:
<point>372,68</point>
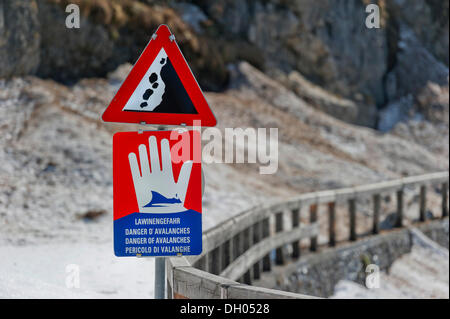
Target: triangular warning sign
<point>160,88</point>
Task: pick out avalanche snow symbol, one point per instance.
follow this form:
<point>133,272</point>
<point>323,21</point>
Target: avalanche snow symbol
<point>159,200</point>
<point>149,93</point>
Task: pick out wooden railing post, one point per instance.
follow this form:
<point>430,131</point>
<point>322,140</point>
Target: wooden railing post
<point>313,219</point>
<point>444,191</point>
<point>423,203</point>
<point>352,212</point>
<point>376,213</point>
<point>225,254</point>
<point>257,234</point>
<point>331,224</point>
<point>279,253</point>
<point>399,220</point>
<point>248,242</point>
<point>240,249</point>
<point>219,259</point>
<point>237,244</point>
<point>267,265</point>
<point>215,261</point>
<point>201,263</point>
<point>296,224</point>
<point>231,249</point>
<point>207,262</point>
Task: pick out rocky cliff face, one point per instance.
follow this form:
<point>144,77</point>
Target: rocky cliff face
<point>428,19</point>
<point>111,33</point>
<point>325,42</point>
<point>19,38</point>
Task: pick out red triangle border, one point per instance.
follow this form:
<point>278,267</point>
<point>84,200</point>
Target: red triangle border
<point>163,39</point>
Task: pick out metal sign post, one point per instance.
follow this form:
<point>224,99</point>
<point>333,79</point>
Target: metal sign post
<point>160,267</point>
<point>160,277</point>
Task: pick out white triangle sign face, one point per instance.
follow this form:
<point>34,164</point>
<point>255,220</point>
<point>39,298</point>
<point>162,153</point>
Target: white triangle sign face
<point>149,92</point>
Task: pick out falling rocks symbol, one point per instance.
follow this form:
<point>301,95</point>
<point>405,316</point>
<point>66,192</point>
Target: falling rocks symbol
<point>175,98</point>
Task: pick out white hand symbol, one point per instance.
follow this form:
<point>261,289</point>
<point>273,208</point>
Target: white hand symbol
<point>159,180</point>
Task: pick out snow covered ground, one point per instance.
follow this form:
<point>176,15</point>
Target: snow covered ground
<point>42,271</point>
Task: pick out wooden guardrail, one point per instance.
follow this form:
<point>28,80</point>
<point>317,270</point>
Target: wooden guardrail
<point>236,251</point>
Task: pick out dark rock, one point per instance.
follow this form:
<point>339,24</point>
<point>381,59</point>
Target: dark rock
<point>19,37</point>
<point>111,34</point>
<point>70,54</point>
<point>327,42</point>
<point>147,94</point>
<point>429,20</point>
<point>153,77</point>
<point>192,15</point>
<point>416,66</point>
<point>395,112</point>
<point>417,86</point>
<point>388,222</point>
<point>92,215</point>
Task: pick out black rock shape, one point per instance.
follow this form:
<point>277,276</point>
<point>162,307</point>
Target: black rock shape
<point>153,77</point>
<point>147,94</point>
<point>174,98</point>
<point>162,60</point>
<point>155,85</point>
<point>144,104</point>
